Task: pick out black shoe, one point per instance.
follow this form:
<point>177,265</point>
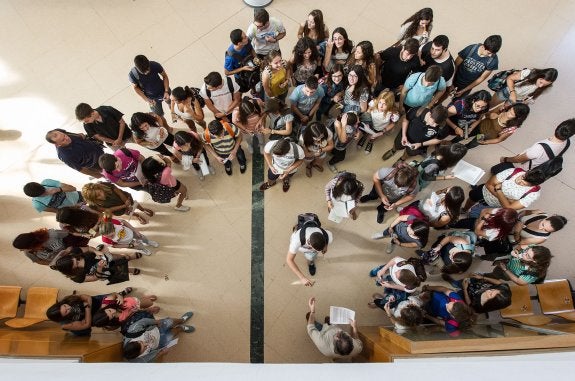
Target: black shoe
<point>311,268</point>
<point>362,141</point>
<point>380,214</point>
<point>369,147</point>
<point>228,170</point>
<point>243,168</point>
<point>365,198</point>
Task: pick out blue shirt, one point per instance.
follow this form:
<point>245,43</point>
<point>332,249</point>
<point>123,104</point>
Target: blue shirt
<point>437,307</point>
<point>304,103</point>
<point>418,94</point>
<point>473,66</point>
<point>231,61</point>
<point>56,200</point>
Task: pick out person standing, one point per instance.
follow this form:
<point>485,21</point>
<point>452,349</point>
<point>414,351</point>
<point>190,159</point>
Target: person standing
<point>265,33</point>
<point>150,81</point>
<point>76,151</point>
<point>105,124</point>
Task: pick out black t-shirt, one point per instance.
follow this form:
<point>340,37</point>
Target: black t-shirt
<point>394,71</point>
<point>110,126</point>
<point>418,131</point>
<point>447,66</point>
<point>152,84</point>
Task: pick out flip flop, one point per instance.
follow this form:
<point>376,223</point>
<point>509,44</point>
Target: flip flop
<point>137,271</point>
<point>149,212</point>
<point>141,218</point>
<point>318,167</point>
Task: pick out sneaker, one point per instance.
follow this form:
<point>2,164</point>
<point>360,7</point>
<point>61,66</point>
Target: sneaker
<point>187,316</point>
<point>182,208</point>
<point>361,141</point>
<point>380,214</point>
<point>212,170</point>
<point>286,185</point>
<point>153,243</point>
<point>378,235</point>
<point>365,198</point>
<point>187,328</point>
<point>266,186</point>
<point>390,248</point>
<point>200,174</point>
<point>369,147</point>
<point>311,268</point>
<point>388,154</point>
<point>243,168</point>
<point>332,168</point>
<point>228,170</point>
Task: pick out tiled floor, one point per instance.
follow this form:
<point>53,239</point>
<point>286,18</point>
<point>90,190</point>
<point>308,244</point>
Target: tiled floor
<point>55,54</point>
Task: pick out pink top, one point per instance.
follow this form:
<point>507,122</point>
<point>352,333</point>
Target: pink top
<point>129,165</point>
<point>167,178</point>
<point>129,306</point>
<point>250,126</point>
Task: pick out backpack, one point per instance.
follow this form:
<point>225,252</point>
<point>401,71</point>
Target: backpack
<point>229,129</point>
<point>161,193</point>
<point>499,80</point>
<point>423,179</point>
<point>230,88</point>
<point>308,220</point>
<point>138,315</point>
<point>554,164</point>
<point>245,79</point>
<point>535,188</point>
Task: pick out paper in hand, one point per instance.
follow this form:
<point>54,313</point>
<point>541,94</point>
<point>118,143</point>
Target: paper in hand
<point>340,315</point>
<point>468,172</point>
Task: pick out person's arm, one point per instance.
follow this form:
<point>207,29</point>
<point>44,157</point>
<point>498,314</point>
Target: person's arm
<point>480,79</point>
<point>238,139</point>
<point>402,96</point>
<point>122,127</point>
<point>505,202</point>
<point>314,108</point>
<point>498,139</point>
<point>403,200</point>
<point>451,111</point>
<point>290,260</point>
<point>269,160</point>
<point>340,128</point>
<point>266,83</point>
<point>512,276</point>
<point>296,111</point>
<point>404,125</point>
<point>210,105</point>
<point>166,82</point>
<point>236,99</point>
<point>300,31</point>
<point>291,168</point>
<point>91,172</point>
<point>510,82</point>
<point>381,273</point>
<point>280,36</point>
<point>379,190</point>
<point>427,143</point>
<point>490,280</point>
<point>520,158</point>
<point>436,97</point>
<point>328,52</point>
<point>466,297</point>
<point>67,188</point>
<point>442,289</point>
<point>353,325</point>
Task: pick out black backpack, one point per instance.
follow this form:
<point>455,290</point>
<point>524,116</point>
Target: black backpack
<point>230,88</point>
<point>138,315</point>
<point>554,165</point>
<point>308,220</point>
<point>245,79</point>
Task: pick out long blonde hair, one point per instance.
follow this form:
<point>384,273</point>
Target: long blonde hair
<point>90,192</point>
<point>388,98</point>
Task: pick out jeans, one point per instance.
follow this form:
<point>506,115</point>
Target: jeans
<point>241,158</point>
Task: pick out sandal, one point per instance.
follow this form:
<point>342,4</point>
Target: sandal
<point>149,212</point>
<point>318,167</point>
<point>372,305</point>
<point>138,255</point>
<point>308,171</point>
<point>136,271</point>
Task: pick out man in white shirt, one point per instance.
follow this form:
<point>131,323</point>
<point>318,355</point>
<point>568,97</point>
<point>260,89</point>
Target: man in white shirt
<point>283,158</point>
<point>535,155</point>
<point>265,32</point>
<point>221,97</point>
<point>316,241</point>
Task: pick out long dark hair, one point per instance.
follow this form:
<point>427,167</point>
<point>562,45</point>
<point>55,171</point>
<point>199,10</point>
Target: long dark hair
<point>422,14</point>
<point>453,200</point>
<point>65,265</point>
<point>541,261</point>
<point>101,319</point>
<point>347,45</point>
<point>448,154</point>
<point>347,184</point>
<point>411,280</point>
<point>79,220</point>
<point>521,113</point>
<point>247,107</point>
<point>314,130</point>
<point>77,313</point>
<point>421,230</point>
<point>319,25</point>
<point>182,138</point>
<point>152,169</point>
<point>460,263</point>
<point>500,301</point>
<point>362,82</point>
<point>367,51</point>
<point>180,93</point>
<point>299,49</point>
<point>481,95</point>
<point>549,74</point>
<point>139,118</point>
<point>31,241</point>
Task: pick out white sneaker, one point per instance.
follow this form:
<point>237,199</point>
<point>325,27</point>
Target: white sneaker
<point>182,208</point>
<point>153,243</point>
<point>390,248</point>
<point>399,209</point>
<point>200,174</point>
<point>332,168</point>
<point>378,235</point>
<point>212,170</point>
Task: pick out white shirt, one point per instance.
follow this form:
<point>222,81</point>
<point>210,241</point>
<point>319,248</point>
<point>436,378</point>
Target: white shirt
<point>295,244</point>
<point>221,98</point>
<point>281,163</point>
<point>536,153</point>
<point>511,190</point>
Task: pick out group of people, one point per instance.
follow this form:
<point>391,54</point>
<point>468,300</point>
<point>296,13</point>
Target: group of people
<point>342,95</point>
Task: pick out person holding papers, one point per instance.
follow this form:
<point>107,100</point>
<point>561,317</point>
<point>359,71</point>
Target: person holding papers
<point>332,341</point>
<point>342,193</point>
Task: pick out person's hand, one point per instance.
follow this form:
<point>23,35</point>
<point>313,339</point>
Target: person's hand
<point>404,141</point>
<point>329,43</point>
<point>477,276</point>
<point>248,68</point>
<point>311,304</point>
<point>117,142</point>
<point>196,160</point>
<point>274,171</point>
<point>385,283</point>
<point>502,266</point>
<point>387,308</point>
<point>284,83</point>
<point>458,93</point>
<point>166,97</point>
<point>283,176</point>
<point>151,102</point>
<point>329,206</point>
<point>465,282</point>
<point>221,160</point>
<point>162,133</point>
<point>389,207</point>
<point>271,39</point>
<point>353,324</point>
<point>306,282</point>
<point>459,132</point>
<point>305,119</point>
<point>220,115</point>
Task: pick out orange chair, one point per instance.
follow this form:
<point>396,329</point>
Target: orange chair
<point>9,301</point>
<point>38,300</point>
<point>555,298</point>
<point>521,308</point>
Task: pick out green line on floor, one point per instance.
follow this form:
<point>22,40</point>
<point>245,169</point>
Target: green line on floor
<point>257,265</point>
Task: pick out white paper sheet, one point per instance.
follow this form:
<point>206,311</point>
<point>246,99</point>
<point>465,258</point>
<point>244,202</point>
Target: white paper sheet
<point>468,172</point>
<point>203,165</point>
<point>340,210</point>
<point>340,315</point>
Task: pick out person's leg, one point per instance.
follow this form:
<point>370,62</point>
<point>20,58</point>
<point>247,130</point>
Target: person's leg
<point>228,166</point>
<point>372,195</point>
<point>182,195</point>
<point>156,107</point>
<point>380,213</point>
<point>241,158</point>
<point>272,178</point>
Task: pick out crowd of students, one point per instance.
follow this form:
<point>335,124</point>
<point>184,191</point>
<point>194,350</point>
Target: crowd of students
<point>343,94</point>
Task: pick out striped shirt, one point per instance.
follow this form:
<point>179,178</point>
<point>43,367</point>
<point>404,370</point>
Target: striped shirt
<point>518,268</point>
<point>225,144</point>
